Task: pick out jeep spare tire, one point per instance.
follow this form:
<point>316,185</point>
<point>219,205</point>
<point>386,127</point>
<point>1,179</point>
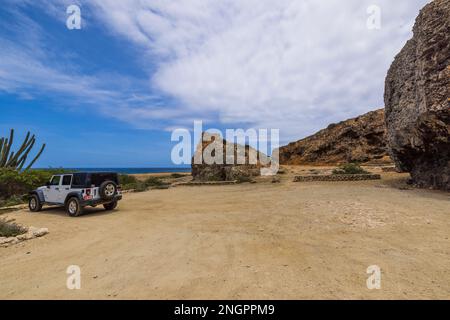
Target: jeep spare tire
<point>108,190</point>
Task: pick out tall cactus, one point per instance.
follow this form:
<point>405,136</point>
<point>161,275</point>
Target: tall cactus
<point>16,160</point>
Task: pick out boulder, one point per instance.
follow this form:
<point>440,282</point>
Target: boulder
<point>37,232</point>
<point>223,170</point>
<point>417,104</point>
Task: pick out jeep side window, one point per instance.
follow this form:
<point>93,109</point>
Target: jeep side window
<point>67,180</point>
<point>55,181</point>
<point>79,180</point>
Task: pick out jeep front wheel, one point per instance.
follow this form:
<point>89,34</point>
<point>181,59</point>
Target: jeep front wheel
<point>34,204</point>
<point>73,207</point>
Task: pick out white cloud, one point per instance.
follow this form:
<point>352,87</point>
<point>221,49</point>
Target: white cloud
<point>291,64</point>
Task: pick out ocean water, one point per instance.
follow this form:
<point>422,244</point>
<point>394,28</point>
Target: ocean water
<point>133,170</point>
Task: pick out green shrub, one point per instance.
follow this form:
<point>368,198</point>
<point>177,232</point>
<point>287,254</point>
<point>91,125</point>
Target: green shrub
<point>350,168</point>
<point>128,186</point>
<point>15,183</point>
<point>52,171</point>
<point>156,183</point>
<point>12,201</point>
<point>131,183</point>
<point>163,186</point>
<point>139,186</point>
<point>177,175</point>
<point>125,179</point>
<point>9,229</point>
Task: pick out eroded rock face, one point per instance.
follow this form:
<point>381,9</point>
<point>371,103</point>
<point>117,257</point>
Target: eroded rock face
<point>417,104</point>
<point>224,170</point>
<point>360,139</point>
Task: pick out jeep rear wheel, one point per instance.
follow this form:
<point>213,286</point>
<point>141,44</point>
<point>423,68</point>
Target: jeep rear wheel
<point>34,204</point>
<point>108,190</point>
<point>73,207</point>
<point>110,206</point>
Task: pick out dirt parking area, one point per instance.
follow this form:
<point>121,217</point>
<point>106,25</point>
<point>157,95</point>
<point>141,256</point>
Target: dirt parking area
<point>249,241</point>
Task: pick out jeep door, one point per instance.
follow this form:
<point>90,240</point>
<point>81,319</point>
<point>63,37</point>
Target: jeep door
<point>51,193</point>
<point>65,187</point>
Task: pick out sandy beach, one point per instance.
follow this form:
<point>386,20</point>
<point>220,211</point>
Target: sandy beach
<point>248,241</point>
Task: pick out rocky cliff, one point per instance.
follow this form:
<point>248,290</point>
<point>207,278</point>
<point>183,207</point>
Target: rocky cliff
<point>356,140</point>
<point>417,101</point>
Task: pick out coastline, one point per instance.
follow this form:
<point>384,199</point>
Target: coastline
<point>144,176</point>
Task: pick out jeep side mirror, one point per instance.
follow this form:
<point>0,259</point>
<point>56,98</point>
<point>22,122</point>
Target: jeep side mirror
<point>48,184</point>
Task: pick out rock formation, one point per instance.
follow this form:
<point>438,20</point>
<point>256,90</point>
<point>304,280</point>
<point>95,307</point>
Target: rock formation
<point>217,168</point>
<point>417,101</point>
<point>356,140</point>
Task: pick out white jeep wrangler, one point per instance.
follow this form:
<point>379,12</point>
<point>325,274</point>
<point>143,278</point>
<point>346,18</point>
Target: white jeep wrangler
<point>78,190</point>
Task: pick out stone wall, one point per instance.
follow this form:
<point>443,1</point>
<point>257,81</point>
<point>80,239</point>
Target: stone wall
<point>337,177</point>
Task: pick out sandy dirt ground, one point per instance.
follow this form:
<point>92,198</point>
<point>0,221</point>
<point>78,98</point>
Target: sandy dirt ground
<point>248,241</point>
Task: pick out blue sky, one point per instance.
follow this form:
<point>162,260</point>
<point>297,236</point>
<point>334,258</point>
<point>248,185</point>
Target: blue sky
<point>110,94</point>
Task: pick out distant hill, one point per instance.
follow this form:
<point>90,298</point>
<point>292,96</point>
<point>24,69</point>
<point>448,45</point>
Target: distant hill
<point>361,139</point>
